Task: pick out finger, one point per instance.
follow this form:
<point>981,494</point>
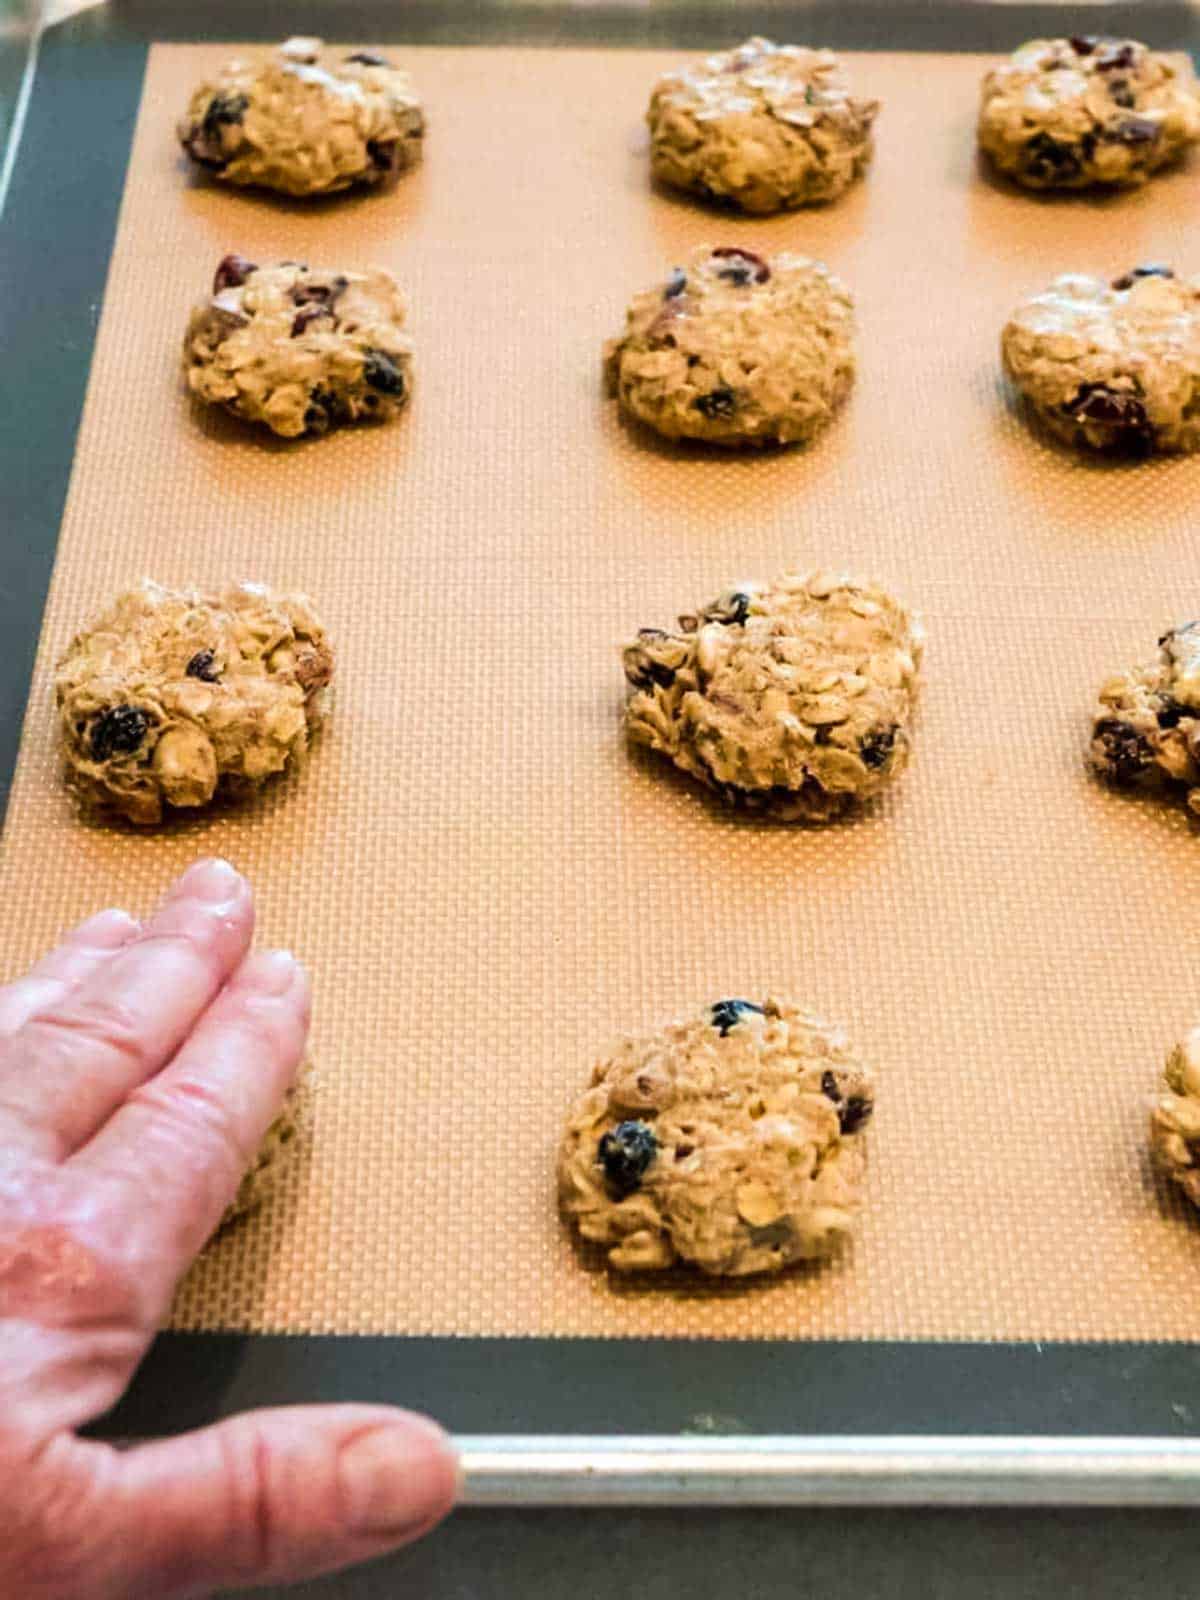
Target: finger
<point>83,950</point>
<point>65,1071</point>
<point>272,1497</point>
<point>188,1135</point>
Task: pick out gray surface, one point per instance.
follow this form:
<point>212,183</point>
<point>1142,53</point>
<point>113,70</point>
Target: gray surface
<point>819,1555</point>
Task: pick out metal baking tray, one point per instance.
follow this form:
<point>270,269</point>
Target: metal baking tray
<point>562,1422</point>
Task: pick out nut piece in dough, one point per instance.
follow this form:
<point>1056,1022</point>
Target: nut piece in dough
<point>172,697</point>
<point>733,1141</point>
<point>1175,1119</point>
<point>1113,367</point>
<point>792,698</point>
<point>305,126</point>
<point>1073,113</point>
<point>298,349</point>
<point>1147,726</point>
<point>763,127</point>
<point>736,350</point>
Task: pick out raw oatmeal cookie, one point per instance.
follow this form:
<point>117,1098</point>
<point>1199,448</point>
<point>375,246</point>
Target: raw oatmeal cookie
<point>1112,366</point>
<point>305,126</point>
<point>290,1129</point>
<point>298,349</point>
<point>763,127</point>
<point>172,696</point>
<point>736,350</point>
<point>1147,725</point>
<point>1071,113</point>
<point>793,697</point>
<point>1175,1119</point>
<point>732,1141</point>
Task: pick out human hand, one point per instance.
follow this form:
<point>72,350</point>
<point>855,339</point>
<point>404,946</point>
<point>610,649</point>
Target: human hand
<point>139,1069</point>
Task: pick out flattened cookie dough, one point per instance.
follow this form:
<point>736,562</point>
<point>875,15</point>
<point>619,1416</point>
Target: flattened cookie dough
<point>1175,1119</point>
<point>736,350</point>
<point>763,127</point>
<point>304,123</point>
<point>1146,728</point>
<point>283,1139</point>
<point>173,696</point>
<point>1112,366</point>
<point>793,698</point>
<point>1072,113</point>
<point>733,1141</point>
<point>300,350</point>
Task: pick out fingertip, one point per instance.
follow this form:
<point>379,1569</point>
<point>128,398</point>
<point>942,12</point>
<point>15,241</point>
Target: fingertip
<point>213,881</point>
<point>272,973</point>
<point>211,900</point>
<point>397,1479</point>
<point>276,976</point>
<point>107,930</point>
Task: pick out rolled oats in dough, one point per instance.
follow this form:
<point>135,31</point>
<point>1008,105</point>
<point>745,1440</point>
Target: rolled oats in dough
<point>1112,366</point>
<point>1146,729</point>
<point>172,696</point>
<point>733,1141</point>
<point>1175,1119</point>
<point>1072,113</point>
<point>300,350</point>
<point>736,350</point>
<point>763,127</point>
<point>305,123</point>
<point>793,698</point>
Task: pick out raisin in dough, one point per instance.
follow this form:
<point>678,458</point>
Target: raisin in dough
<point>1112,366</point>
<point>1146,728</point>
<point>171,696</point>
<point>736,350</point>
<point>762,127</point>
<point>1072,113</point>
<point>792,698</point>
<point>304,125</point>
<point>1175,1119</point>
<point>300,350</point>
<point>733,1141</point>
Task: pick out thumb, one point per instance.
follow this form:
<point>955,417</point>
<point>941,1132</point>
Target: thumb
<point>276,1496</point>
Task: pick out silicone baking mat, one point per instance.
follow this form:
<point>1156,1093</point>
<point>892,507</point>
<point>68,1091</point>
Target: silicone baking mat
<point>489,888</point>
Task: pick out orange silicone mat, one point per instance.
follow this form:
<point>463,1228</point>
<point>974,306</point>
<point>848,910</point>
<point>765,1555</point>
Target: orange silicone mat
<point>489,888</point>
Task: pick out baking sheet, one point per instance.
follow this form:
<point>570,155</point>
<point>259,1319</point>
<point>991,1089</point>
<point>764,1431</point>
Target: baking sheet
<point>489,888</point>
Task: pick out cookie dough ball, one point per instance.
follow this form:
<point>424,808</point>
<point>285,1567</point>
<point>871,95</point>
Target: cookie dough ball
<point>172,697</point>
<point>736,350</point>
<point>305,125</point>
<point>1112,366</point>
<point>762,127</point>
<point>298,349</point>
<point>1146,729</point>
<point>733,1141</point>
<point>793,698</point>
<point>1175,1119</point>
<point>1071,113</point>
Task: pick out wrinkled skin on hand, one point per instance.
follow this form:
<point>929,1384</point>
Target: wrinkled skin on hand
<point>140,1067</point>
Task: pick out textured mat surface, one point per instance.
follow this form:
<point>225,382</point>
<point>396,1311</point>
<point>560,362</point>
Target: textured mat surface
<point>489,888</point>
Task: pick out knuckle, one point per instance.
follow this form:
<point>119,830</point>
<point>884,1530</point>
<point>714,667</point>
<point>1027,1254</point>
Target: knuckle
<point>249,1508</point>
<point>68,1040</point>
<point>196,1119</point>
<point>58,1528</point>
